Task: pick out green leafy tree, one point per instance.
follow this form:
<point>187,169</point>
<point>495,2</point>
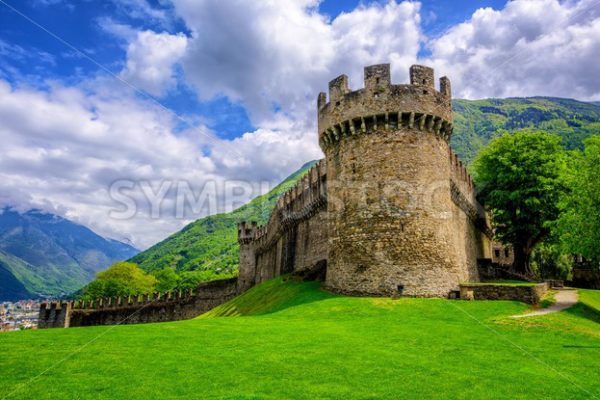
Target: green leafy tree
<point>121,279</point>
<point>167,279</point>
<point>519,178</point>
<point>548,261</point>
<point>579,223</point>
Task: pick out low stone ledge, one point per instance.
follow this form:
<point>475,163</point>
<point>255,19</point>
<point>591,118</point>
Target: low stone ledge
<point>527,293</point>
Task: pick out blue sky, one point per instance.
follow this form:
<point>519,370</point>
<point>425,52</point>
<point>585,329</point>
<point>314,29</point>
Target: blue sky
<point>80,23</point>
<point>227,88</point>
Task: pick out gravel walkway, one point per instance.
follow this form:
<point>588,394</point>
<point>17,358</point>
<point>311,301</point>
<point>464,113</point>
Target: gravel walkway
<point>565,298</point>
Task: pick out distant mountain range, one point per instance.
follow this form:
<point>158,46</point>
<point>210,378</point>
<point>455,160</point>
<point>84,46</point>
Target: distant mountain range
<point>42,254</point>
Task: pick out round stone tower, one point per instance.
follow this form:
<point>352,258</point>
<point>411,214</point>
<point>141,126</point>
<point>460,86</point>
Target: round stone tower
<point>388,178</point>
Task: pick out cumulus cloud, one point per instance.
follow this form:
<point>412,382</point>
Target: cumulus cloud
<point>141,9</point>
<point>151,58</point>
<point>63,149</point>
<point>539,47</point>
<point>277,55</point>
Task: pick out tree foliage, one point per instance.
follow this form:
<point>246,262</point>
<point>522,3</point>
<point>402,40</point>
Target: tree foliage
<point>519,178</point>
<point>121,279</point>
<point>548,261</point>
<point>166,279</point>
<point>579,223</point>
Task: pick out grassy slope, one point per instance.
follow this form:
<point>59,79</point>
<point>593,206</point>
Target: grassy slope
<point>211,243</point>
<point>296,341</point>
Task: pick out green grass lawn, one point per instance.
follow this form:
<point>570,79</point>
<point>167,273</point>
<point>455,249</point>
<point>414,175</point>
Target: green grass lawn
<point>290,340</point>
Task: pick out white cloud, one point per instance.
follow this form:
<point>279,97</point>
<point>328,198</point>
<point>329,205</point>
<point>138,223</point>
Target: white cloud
<point>151,58</point>
<point>537,47</point>
<point>117,29</point>
<point>141,9</point>
<point>63,148</point>
<point>268,54</point>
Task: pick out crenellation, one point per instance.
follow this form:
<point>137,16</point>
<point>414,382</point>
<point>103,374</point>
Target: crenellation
<point>368,110</point>
<point>377,78</point>
<point>421,75</point>
<point>180,305</point>
<point>338,88</point>
<point>321,100</point>
<point>445,87</point>
<point>55,314</point>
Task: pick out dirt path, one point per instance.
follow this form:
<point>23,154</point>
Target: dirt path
<point>565,298</point>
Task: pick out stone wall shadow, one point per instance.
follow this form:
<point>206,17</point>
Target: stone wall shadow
<point>582,310</point>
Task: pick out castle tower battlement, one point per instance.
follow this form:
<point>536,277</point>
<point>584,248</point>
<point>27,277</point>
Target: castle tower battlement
<point>397,196</point>
<point>381,105</point>
<point>246,231</point>
<point>391,210</point>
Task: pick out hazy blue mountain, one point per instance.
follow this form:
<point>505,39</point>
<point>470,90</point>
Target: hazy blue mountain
<point>50,255</point>
<point>10,287</point>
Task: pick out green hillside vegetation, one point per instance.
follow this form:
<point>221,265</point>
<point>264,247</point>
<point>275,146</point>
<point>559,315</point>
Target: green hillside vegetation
<point>50,255</point>
<point>12,287</point>
<point>207,248</point>
<point>25,273</point>
<point>476,122</point>
<point>292,340</point>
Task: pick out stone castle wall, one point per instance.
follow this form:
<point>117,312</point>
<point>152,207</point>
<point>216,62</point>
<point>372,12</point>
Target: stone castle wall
<point>156,307</point>
<point>397,210</point>
<point>56,314</point>
<point>531,294</point>
<point>401,213</point>
<point>295,237</point>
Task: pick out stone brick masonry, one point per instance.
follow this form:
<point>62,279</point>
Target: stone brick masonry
<point>156,307</point>
<point>531,294</point>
